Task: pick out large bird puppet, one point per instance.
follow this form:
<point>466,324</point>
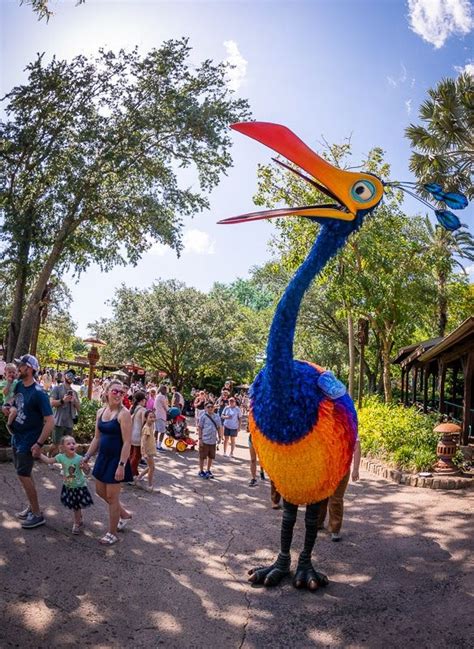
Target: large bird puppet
<point>302,421</point>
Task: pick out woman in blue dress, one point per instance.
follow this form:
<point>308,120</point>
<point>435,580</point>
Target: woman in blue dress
<point>112,439</point>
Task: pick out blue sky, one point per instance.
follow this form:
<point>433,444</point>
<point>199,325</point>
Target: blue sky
<point>324,68</point>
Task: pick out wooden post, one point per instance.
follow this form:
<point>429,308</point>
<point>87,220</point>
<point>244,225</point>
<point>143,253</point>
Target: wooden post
<point>442,382</point>
<point>468,368</point>
<point>92,357</point>
<point>414,385</point>
<point>363,335</point>
<point>402,395</point>
<point>407,385</point>
<point>426,376</point>
<point>455,385</point>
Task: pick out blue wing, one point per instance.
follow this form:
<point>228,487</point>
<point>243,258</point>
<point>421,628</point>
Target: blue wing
<point>454,200</point>
<point>448,220</point>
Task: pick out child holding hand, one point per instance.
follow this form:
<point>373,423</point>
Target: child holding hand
<point>74,495</point>
<point>148,449</point>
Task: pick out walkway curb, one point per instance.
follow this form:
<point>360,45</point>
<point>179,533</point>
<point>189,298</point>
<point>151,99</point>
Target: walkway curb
<point>413,480</point>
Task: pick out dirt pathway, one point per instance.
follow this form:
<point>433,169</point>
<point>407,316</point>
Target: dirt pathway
<point>400,577</point>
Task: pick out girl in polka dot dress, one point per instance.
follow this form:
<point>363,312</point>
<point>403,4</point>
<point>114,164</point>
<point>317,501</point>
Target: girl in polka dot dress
<point>74,495</point>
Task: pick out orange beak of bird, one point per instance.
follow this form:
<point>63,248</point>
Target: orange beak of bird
<point>350,192</point>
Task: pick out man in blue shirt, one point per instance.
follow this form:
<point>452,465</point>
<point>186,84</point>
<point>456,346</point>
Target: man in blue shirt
<point>32,426</point>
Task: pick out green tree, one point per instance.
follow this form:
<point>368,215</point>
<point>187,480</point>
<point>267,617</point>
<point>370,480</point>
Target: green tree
<point>57,339</point>
<point>446,250</point>
<point>89,160</point>
<point>248,293</point>
<point>443,144</point>
<point>41,7</point>
<point>179,330</point>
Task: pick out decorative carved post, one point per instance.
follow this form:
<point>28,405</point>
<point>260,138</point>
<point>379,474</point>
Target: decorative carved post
<point>93,356</point>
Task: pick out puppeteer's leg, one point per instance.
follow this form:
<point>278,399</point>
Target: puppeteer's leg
<point>306,576</point>
<point>272,575</point>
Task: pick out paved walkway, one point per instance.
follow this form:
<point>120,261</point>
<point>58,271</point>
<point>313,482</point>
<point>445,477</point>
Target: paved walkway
<point>400,577</point>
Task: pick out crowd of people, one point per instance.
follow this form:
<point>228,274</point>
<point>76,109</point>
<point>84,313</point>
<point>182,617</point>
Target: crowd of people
<point>130,428</point>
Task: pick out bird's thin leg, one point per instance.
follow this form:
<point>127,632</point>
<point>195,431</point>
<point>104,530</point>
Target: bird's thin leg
<point>306,576</point>
<point>272,575</point>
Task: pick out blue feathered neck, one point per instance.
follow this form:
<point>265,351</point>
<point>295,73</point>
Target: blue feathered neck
<point>285,394</point>
<point>279,363</point>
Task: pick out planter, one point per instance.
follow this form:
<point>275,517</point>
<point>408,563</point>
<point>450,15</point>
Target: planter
<point>437,481</point>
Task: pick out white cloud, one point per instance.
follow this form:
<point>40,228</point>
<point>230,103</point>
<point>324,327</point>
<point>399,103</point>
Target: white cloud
<point>237,73</point>
<point>198,242</point>
<point>401,79</point>
<point>408,106</point>
<point>436,20</point>
<point>470,270</point>
<point>469,68</point>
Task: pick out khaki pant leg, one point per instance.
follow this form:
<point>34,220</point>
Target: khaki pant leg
<point>323,510</point>
<point>275,495</point>
<point>336,505</point>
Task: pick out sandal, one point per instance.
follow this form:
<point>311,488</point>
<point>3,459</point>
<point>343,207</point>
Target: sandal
<point>77,527</point>
<point>108,539</point>
<point>122,524</point>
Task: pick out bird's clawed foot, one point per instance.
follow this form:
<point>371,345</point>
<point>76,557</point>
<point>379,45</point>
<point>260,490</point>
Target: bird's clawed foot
<point>307,577</point>
<point>271,575</point>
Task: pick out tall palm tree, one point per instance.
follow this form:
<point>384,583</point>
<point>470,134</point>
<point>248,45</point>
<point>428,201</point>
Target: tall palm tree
<point>444,146</point>
<point>446,250</point>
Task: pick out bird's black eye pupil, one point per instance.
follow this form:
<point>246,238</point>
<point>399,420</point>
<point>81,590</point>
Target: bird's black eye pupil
<point>359,189</point>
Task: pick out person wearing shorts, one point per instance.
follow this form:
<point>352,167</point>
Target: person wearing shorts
<point>31,428</point>
<point>161,412</point>
<point>209,430</point>
<point>231,416</point>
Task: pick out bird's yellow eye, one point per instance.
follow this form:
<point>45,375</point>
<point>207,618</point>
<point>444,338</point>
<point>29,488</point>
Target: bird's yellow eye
<point>363,191</point>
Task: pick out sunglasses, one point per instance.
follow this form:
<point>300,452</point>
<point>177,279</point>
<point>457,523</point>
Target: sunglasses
<point>117,392</point>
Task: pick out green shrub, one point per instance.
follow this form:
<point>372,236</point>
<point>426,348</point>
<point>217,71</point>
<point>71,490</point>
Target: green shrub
<point>400,435</point>
<point>85,428</point>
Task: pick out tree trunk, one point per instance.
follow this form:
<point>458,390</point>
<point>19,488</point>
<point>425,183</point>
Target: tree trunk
<point>19,295</point>
<point>35,331</point>
<point>386,371</point>
<point>442,305</point>
<point>28,320</point>
<point>351,347</point>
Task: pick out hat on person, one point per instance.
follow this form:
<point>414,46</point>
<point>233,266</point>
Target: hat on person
<point>71,372</point>
<point>29,360</point>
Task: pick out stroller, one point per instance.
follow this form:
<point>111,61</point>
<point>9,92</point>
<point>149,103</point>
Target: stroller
<point>177,432</point>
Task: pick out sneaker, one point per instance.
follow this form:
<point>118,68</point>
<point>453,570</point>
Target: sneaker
<point>33,521</point>
<point>202,474</point>
<point>23,515</point>
<point>142,463</point>
<point>210,475</point>
<point>148,488</point>
<point>253,482</point>
<point>335,536</point>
